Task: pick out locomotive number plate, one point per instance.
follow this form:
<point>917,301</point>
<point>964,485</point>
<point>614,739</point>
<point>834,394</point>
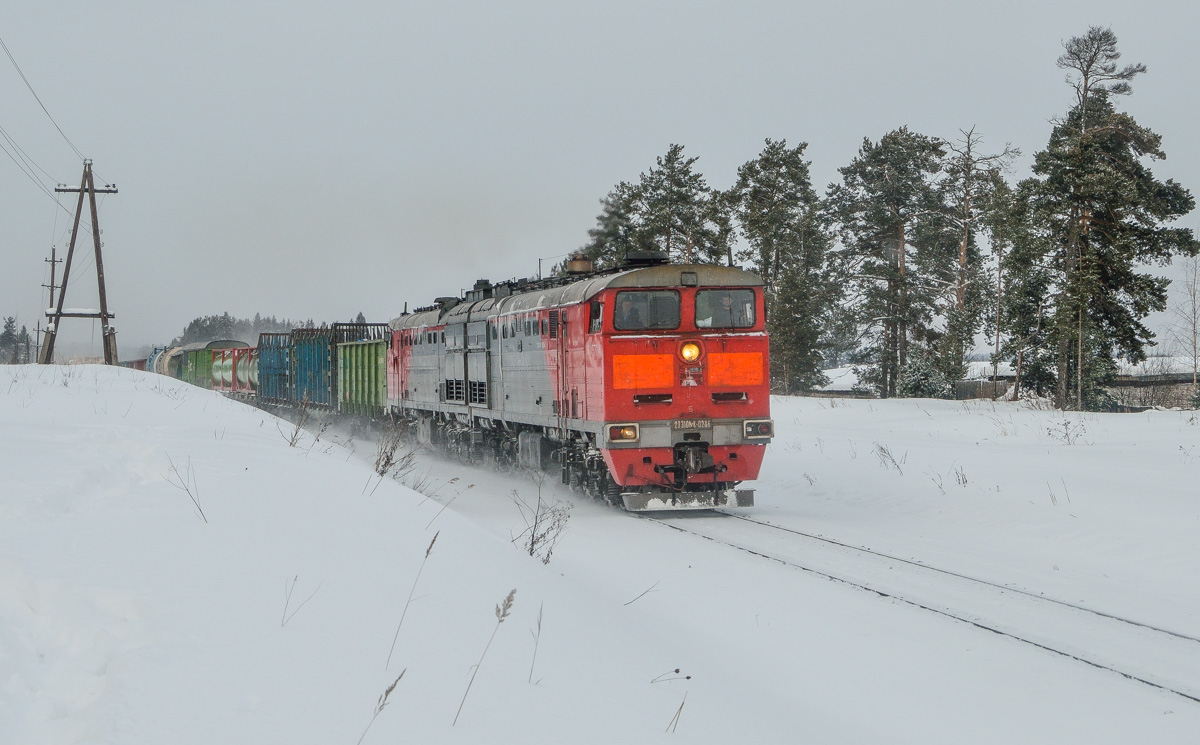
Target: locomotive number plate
<point>691,424</point>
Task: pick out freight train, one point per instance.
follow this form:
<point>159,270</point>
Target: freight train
<point>646,385</point>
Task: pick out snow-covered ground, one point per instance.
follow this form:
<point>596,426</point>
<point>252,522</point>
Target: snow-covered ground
<point>127,617</point>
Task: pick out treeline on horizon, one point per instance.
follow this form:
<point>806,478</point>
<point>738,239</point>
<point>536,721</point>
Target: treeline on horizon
<point>225,326</point>
<point>923,246</point>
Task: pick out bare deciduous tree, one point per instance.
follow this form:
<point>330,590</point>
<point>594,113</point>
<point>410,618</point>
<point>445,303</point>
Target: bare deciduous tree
<point>1184,330</point>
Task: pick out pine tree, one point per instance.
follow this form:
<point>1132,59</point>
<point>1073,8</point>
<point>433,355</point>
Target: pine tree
<point>669,210</point>
<point>616,231</point>
<point>884,204</point>
<point>968,192</point>
<point>1022,290</point>
<point>1185,329</point>
<point>779,214</point>
<point>674,211</point>
<point>1100,212</point>
<point>24,346</point>
<point>8,341</point>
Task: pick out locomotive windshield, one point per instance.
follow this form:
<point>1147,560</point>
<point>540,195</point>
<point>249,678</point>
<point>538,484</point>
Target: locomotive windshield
<point>646,309</point>
<point>725,309</point>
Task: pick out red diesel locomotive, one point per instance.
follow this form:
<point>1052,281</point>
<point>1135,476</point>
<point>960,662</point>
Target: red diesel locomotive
<point>648,386</point>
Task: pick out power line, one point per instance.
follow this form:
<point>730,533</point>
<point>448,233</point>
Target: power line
<point>38,99</point>
<point>25,157</point>
<point>28,173</point>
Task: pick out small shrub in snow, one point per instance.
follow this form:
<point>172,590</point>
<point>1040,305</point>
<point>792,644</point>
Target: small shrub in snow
<point>544,524</point>
<point>387,460</point>
<point>920,378</point>
<point>1068,432</point>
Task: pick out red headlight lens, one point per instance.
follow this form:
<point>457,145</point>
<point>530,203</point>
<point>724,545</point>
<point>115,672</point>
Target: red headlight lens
<point>759,429</point>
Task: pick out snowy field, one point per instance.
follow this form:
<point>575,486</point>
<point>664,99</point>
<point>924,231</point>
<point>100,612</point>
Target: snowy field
<point>1013,547</point>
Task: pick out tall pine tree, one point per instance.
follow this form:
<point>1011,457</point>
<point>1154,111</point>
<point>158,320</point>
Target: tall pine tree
<point>1099,214</point>
<point>786,244</point>
<point>887,199</point>
<point>673,203</point>
<point>670,210</point>
<point>968,193</point>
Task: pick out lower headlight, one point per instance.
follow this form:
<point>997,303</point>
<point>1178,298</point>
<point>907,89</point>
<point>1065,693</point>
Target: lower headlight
<point>758,429</point>
<point>623,433</point>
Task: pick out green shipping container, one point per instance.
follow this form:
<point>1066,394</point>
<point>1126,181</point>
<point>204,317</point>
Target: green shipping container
<point>198,368</point>
<point>362,377</point>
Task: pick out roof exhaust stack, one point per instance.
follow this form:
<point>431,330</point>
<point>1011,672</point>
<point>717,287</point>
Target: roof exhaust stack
<point>578,263</point>
<point>645,258</point>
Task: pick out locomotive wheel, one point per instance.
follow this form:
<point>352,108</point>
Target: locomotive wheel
<point>612,492</point>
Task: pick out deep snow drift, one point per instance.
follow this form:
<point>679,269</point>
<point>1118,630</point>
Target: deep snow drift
<point>127,617</point>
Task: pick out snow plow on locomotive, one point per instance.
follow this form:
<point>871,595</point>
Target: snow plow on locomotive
<point>646,386</point>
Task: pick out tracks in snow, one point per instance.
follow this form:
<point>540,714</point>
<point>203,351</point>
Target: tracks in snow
<point>1141,652</point>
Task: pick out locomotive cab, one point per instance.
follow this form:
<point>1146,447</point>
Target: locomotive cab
<point>686,411</point>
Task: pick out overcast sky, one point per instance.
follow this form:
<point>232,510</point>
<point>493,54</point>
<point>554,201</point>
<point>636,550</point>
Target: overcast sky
<point>320,159</point>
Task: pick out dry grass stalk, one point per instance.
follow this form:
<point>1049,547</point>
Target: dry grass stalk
<point>287,599</point>
<point>186,482</point>
<point>502,612</point>
<point>449,501</point>
<point>537,637</point>
<point>644,592</point>
<point>408,602</point>
<point>302,416</point>
<point>380,704</point>
<point>671,675</point>
<point>674,723</point>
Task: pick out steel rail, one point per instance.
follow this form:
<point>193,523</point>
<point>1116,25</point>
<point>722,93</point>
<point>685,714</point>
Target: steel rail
<point>995,629</point>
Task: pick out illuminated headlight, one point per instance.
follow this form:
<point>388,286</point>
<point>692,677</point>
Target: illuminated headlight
<point>759,429</point>
<point>690,352</point>
<point>623,433</point>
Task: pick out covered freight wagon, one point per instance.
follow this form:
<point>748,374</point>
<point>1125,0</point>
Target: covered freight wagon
<point>314,359</point>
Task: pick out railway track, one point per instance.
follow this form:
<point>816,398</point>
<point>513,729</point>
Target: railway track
<point>1162,658</point>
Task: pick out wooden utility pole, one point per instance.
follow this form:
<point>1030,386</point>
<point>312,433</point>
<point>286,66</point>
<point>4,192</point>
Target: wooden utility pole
<point>53,261</point>
<point>86,186</point>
